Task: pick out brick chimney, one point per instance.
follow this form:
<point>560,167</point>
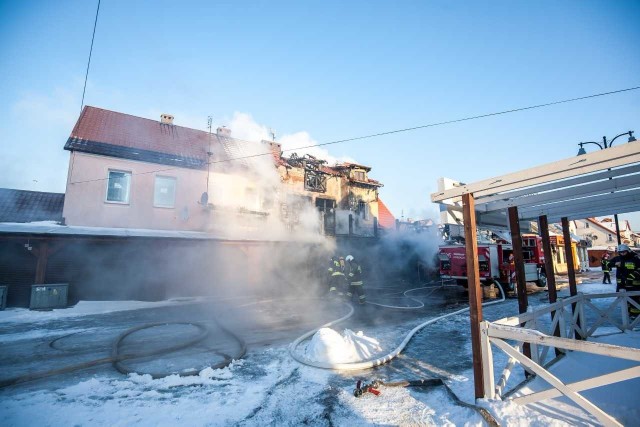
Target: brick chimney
<point>223,131</point>
<point>166,119</point>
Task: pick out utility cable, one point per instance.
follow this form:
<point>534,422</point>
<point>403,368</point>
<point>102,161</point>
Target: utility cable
<point>340,141</point>
<point>86,76</point>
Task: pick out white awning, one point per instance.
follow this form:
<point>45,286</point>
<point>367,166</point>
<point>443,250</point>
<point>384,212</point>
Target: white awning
<point>600,183</point>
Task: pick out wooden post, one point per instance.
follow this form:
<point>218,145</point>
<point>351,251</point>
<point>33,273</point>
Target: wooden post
<point>41,265</point>
<point>571,268</point>
<point>350,224</point>
<point>548,268</point>
<point>521,279</point>
<point>475,296</point>
<point>516,242</point>
<point>548,259</point>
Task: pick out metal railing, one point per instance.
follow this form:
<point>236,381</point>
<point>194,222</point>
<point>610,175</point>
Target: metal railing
<point>563,326</point>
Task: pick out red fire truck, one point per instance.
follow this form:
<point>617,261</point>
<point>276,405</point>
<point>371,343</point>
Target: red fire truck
<point>495,262</point>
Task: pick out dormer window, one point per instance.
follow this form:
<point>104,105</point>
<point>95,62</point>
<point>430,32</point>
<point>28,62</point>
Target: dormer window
<point>359,175</point>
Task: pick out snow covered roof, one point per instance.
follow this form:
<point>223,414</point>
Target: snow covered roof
<point>51,228</point>
<point>29,206</point>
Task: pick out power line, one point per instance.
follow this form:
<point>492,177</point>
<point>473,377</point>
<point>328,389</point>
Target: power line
<point>86,76</point>
<point>339,141</point>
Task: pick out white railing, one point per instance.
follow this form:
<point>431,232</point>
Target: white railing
<point>535,330</point>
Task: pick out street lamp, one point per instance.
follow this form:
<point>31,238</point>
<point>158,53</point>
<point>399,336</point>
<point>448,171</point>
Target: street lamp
<point>604,143</point>
<point>603,146</point>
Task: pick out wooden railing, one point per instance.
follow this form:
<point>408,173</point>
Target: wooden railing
<point>563,326</point>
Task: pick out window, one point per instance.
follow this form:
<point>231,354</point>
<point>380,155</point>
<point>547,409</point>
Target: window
<point>118,186</point>
<point>359,175</point>
<point>609,238</point>
<point>363,209</point>
<point>164,195</point>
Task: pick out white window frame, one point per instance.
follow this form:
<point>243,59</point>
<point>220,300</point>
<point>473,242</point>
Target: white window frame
<point>175,187</point>
<point>118,202</point>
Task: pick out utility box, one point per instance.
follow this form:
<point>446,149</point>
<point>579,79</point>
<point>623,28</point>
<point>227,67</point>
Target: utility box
<point>46,297</point>
<point>3,297</point>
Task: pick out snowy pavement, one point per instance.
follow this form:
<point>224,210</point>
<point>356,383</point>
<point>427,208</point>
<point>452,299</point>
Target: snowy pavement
<point>266,387</point>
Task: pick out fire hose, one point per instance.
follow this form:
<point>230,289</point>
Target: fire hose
<point>117,357</point>
<point>374,388</point>
<point>368,364</point>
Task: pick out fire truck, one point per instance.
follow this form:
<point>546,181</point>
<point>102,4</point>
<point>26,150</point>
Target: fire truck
<point>495,262</point>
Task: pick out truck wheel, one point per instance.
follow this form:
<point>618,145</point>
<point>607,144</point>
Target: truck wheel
<point>542,282</point>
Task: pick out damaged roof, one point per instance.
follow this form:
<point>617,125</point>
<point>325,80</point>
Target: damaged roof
<point>30,206</point>
<point>120,135</point>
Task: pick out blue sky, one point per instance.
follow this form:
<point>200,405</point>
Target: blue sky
<point>323,71</point>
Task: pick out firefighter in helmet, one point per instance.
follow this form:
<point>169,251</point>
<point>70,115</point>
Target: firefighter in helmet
<point>627,266</point>
<point>606,268</point>
<point>354,276</point>
<point>336,278</point>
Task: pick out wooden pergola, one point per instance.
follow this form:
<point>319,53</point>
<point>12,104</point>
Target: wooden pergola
<point>601,183</point>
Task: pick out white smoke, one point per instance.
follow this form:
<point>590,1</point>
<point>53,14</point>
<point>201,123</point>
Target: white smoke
<point>243,126</point>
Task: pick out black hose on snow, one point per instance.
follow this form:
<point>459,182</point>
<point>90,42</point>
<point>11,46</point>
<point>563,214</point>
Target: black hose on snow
<point>117,358</point>
<point>428,382</point>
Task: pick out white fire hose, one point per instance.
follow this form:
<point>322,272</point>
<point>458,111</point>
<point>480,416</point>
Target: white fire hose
<point>368,364</point>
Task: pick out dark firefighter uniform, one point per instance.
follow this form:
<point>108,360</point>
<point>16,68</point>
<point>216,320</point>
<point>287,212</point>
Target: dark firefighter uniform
<point>627,274</point>
<point>606,269</point>
<point>354,276</point>
<point>337,279</point>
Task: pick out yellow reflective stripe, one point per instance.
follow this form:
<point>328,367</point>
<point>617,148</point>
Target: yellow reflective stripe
<point>356,283</point>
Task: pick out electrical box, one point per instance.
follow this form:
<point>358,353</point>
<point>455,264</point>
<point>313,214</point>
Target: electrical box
<point>46,297</point>
<point>3,297</point>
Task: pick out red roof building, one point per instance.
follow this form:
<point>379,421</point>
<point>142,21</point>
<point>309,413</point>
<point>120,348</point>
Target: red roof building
<point>385,217</point>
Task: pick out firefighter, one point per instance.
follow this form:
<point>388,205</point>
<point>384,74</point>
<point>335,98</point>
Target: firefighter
<point>512,271</point>
<point>337,279</point>
<point>330,270</point>
<point>627,274</point>
<point>606,268</point>
<point>354,276</point>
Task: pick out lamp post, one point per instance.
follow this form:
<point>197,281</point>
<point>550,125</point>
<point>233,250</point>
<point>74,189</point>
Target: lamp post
<point>604,145</point>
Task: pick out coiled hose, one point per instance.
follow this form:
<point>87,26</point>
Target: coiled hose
<point>368,364</point>
<point>117,358</point>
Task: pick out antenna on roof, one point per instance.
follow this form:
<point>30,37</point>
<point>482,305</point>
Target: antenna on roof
<point>273,134</point>
<point>204,199</point>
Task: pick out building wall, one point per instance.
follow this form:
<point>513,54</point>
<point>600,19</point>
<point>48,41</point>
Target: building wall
<point>559,255</point>
<point>599,235</point>
<point>338,189</point>
<point>235,198</point>
<point>86,205</point>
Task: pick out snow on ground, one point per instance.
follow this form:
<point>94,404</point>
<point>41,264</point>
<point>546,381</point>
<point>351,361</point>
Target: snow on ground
<point>619,399</point>
<point>82,308</point>
<point>267,387</point>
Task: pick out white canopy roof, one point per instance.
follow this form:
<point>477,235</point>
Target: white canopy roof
<point>600,183</point>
